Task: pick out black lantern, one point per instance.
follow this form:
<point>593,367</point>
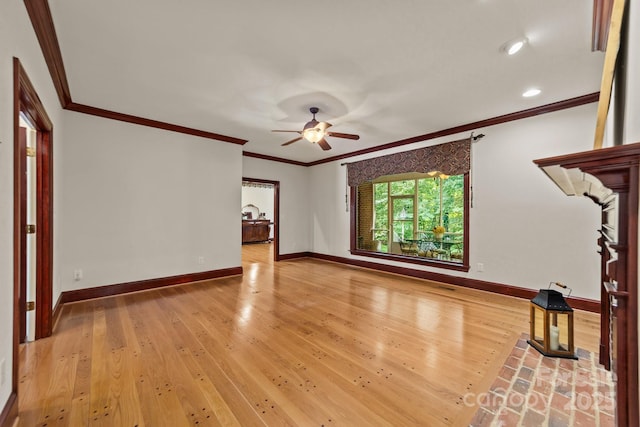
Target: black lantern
<point>552,323</point>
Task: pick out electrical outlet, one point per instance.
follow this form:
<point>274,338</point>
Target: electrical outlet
<point>77,275</point>
<point>3,372</point>
<point>480,267</point>
<point>200,260</point>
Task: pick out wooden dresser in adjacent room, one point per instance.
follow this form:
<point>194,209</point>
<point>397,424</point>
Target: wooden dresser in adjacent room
<point>255,230</point>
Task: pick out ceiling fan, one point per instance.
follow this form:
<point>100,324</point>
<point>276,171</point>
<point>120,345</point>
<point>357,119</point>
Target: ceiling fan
<point>315,131</point>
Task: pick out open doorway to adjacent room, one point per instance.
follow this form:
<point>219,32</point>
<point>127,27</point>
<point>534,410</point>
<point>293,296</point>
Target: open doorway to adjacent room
<point>260,213</point>
<point>28,297</point>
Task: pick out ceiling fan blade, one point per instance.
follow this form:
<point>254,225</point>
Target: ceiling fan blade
<point>323,125</point>
<point>279,130</point>
<point>324,144</point>
<point>292,141</point>
<point>343,135</point>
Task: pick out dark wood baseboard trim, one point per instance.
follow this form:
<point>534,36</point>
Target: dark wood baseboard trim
<point>498,288</point>
<point>284,257</point>
<point>57,310</point>
<point>585,304</point>
<point>143,285</point>
<point>10,411</point>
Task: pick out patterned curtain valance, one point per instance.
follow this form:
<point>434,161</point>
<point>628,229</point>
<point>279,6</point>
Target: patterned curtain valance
<point>450,158</point>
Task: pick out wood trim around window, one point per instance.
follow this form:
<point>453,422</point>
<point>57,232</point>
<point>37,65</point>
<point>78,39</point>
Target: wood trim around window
<point>464,266</point>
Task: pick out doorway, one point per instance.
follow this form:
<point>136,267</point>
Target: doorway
<point>28,110</point>
<point>260,189</point>
<point>28,296</point>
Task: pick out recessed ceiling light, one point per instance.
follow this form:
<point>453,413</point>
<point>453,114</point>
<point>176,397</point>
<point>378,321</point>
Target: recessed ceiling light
<point>513,46</point>
<point>531,92</point>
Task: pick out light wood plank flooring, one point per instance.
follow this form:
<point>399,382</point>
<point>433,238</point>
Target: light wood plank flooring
<point>299,343</point>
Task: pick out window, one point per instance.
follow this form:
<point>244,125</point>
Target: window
<point>413,206</point>
<point>422,218</point>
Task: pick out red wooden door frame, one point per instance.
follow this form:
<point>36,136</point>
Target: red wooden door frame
<point>27,102</point>
<point>276,212</point>
<point>20,212</point>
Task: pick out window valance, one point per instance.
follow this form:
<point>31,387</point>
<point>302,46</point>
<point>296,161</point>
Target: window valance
<point>450,158</point>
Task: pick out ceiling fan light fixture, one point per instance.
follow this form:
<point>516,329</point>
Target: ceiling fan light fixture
<point>313,134</point>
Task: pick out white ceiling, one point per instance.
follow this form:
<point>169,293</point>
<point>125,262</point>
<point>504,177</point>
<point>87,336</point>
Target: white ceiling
<point>386,70</point>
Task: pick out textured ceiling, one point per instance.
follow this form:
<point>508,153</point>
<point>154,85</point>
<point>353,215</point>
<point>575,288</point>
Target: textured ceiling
<point>386,70</point>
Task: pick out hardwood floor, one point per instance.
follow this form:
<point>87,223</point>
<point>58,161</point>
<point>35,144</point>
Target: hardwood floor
<point>301,343</point>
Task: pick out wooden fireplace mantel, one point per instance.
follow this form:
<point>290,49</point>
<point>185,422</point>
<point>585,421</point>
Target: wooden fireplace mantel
<point>610,177</point>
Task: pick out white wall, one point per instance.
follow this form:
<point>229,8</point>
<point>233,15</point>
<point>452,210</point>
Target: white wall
<point>523,229</point>
<point>295,199</point>
<point>260,197</point>
<point>17,39</point>
<point>330,217</point>
<point>140,203</point>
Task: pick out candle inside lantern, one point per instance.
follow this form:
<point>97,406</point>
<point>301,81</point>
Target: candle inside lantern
<point>554,340</point>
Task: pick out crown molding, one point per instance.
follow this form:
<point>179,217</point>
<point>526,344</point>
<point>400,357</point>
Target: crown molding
<point>42,21</point>
<point>273,158</point>
<point>523,114</point>
<point>113,115</point>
